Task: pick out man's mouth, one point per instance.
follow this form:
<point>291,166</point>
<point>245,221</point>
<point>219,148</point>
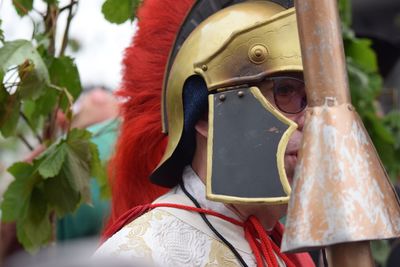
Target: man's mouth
<point>291,153</point>
<point>291,157</point>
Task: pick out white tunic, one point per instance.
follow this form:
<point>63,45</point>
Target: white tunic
<point>175,237</point>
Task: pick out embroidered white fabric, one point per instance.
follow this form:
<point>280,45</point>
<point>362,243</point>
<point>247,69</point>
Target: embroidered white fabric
<point>179,244</point>
<point>172,237</point>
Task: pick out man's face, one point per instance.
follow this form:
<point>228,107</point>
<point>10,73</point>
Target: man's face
<point>293,146</point>
<point>287,93</point>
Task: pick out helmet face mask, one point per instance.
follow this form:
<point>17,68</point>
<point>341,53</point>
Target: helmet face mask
<point>247,139</point>
<point>232,50</point>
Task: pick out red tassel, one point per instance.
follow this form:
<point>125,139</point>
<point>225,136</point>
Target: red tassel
<point>141,144</point>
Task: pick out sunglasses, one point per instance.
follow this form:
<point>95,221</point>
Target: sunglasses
<point>288,93</point>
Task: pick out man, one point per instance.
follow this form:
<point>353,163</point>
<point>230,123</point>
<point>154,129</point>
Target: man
<point>233,107</point>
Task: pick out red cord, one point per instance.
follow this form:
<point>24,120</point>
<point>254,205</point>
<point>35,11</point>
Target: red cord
<point>265,241</point>
<point>285,258</point>
<point>259,236</point>
<point>254,247</point>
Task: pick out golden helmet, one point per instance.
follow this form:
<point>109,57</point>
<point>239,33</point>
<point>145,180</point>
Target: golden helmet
<point>233,48</point>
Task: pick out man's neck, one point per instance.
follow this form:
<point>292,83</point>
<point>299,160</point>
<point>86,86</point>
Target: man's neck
<point>268,215</point>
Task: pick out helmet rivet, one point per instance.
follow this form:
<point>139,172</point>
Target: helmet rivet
<point>258,53</point>
<point>222,97</point>
<point>204,67</point>
<point>240,94</point>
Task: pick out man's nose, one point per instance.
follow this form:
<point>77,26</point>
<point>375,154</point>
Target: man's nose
<point>299,119</point>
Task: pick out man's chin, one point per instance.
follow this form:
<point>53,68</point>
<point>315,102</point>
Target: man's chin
<point>291,159</point>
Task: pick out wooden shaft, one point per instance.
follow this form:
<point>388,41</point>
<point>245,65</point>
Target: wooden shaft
<point>322,52</point>
<point>356,254</point>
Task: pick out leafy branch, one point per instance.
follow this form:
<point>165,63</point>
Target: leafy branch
<point>33,129</point>
<point>55,183</point>
<point>119,11</point>
<point>42,84</point>
<point>50,22</point>
<point>68,7</point>
<point>25,141</point>
<point>22,8</point>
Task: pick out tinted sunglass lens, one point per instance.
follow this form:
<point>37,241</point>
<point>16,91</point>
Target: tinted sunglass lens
<point>289,94</point>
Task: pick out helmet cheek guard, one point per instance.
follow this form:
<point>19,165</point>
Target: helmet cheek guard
<point>247,137</point>
<point>244,128</point>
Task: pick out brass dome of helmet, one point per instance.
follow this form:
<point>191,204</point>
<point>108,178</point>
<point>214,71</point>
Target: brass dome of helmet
<point>207,48</point>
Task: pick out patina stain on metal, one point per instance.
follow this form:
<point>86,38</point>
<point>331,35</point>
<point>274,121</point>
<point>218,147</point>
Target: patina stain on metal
<point>341,192</point>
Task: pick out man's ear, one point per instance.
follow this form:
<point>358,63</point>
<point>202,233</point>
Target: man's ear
<point>202,127</point>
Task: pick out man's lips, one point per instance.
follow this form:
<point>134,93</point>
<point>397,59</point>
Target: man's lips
<point>291,153</point>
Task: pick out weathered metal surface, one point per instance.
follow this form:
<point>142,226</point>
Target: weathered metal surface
<point>340,193</point>
<point>322,51</point>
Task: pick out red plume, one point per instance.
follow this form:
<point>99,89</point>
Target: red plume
<point>141,143</point>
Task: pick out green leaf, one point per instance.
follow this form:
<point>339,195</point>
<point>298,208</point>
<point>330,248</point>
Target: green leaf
<point>64,73</point>
<point>345,12</point>
<point>77,167</point>
<point>364,86</point>
<point>35,110</point>
<point>119,11</point>
<point>61,195</point>
<point>102,179</point>
<point>34,228</point>
<point>362,54</point>
<point>96,166</point>
<point>377,125</point>
<point>99,172</point>
<point>380,250</point>
<point>23,238</point>
<point>32,197</point>
<point>9,112</point>
<point>37,207</point>
<point>392,121</point>
<point>392,153</point>
<point>52,160</point>
<point>31,84</point>
<point>72,183</point>
<point>33,71</point>
<point>51,1</point>
<point>17,196</point>
<point>358,81</point>
<point>23,6</point>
